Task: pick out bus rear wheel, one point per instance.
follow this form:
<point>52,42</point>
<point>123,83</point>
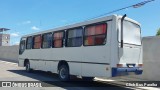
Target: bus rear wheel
<point>63,73</point>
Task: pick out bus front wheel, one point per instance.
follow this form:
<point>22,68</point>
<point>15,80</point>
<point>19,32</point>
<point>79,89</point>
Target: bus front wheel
<point>28,69</point>
<point>63,73</point>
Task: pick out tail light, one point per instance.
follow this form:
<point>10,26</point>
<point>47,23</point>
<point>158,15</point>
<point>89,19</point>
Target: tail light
<point>140,65</point>
<point>119,65</point>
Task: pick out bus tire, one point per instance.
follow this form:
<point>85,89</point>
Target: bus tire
<point>63,73</point>
<point>88,78</point>
<point>28,69</point>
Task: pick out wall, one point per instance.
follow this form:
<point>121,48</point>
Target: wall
<point>9,53</point>
<point>151,59</point>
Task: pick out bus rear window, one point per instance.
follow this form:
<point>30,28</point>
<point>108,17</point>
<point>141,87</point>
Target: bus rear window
<point>131,32</point>
<point>95,35</point>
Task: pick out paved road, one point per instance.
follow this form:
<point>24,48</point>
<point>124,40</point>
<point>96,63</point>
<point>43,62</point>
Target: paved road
<point>11,72</point>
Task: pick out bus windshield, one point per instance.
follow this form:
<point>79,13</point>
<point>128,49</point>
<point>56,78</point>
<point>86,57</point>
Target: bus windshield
<point>131,32</point>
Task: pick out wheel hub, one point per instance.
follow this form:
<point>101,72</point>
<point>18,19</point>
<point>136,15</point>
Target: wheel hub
<point>63,73</point>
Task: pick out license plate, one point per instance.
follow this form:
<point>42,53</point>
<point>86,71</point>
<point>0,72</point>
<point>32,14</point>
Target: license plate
<point>130,66</point>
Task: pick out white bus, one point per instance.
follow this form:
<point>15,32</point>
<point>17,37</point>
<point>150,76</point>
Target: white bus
<point>104,47</point>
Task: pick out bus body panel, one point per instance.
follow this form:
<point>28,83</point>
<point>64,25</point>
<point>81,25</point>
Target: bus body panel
<point>130,55</point>
<point>73,58</point>
<point>99,56</point>
<point>89,61</point>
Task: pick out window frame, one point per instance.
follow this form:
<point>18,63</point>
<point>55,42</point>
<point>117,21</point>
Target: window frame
<point>36,42</point>
<point>70,29</point>
<point>63,39</point>
<point>43,39</point>
<point>29,43</point>
<point>95,24</point>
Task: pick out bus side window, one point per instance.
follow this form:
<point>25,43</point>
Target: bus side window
<point>74,37</point>
<point>47,40</point>
<point>22,47</point>
<point>58,38</point>
<point>29,43</point>
<point>95,34</point>
<point>37,42</point>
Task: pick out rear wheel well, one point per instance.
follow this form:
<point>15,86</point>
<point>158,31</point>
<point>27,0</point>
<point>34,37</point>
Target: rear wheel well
<point>25,61</point>
<point>62,62</point>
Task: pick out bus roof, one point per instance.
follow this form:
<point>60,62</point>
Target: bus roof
<point>87,22</point>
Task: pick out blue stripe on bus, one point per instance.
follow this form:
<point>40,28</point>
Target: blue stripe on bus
<point>126,71</point>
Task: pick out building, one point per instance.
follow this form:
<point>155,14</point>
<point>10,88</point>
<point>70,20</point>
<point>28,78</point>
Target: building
<point>4,38</point>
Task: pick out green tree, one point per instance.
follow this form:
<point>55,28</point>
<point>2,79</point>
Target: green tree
<point>158,32</point>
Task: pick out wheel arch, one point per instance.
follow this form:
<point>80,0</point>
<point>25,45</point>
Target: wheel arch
<point>62,62</point>
<point>25,61</point>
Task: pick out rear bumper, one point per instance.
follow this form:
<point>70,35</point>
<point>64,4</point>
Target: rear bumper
<point>126,71</point>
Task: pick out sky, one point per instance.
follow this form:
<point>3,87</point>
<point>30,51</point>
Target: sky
<point>28,16</point>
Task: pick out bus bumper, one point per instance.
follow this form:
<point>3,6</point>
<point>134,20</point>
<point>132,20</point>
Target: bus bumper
<point>126,71</point>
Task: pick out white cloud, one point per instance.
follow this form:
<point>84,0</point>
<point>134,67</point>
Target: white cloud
<point>35,28</point>
<point>15,34</point>
<point>26,22</point>
<point>16,43</point>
